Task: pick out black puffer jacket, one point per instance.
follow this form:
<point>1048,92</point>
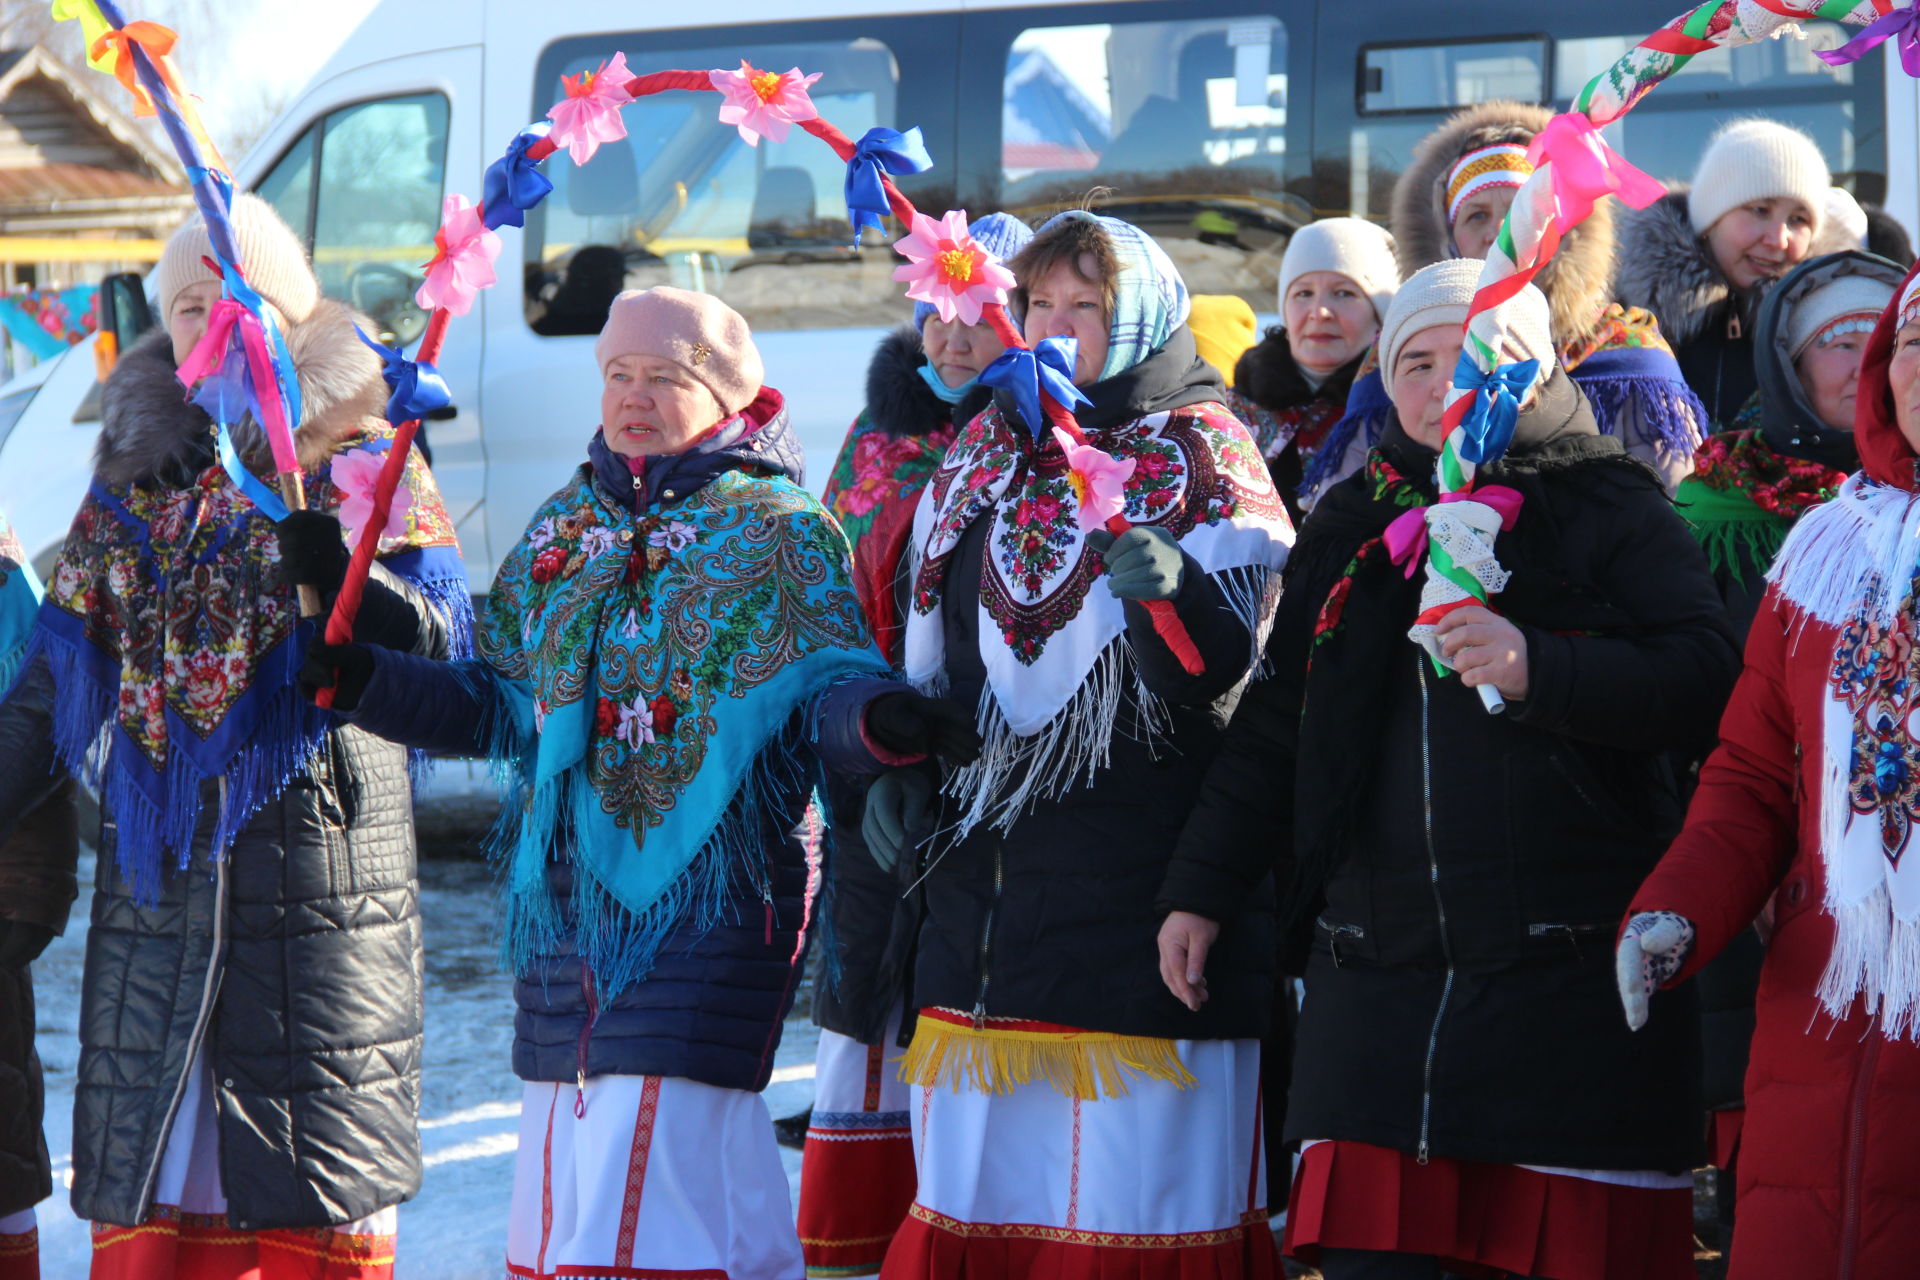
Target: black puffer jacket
<point>293,961</point>
<point>1056,918</point>
<point>1466,872</point>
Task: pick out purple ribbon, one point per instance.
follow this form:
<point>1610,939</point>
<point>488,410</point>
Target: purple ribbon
<point>1901,24</point>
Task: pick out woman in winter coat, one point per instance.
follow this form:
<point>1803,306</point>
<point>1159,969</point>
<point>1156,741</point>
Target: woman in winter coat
<point>856,1181</point>
<point>238,1099</point>
<point>1449,203</point>
<point>653,659</point>
<point>1464,1093</point>
<point>1701,257</point>
<point>1809,803</point>
<point>1067,1107</point>
<point>37,858</point>
<point>1749,486</point>
<point>1337,278</point>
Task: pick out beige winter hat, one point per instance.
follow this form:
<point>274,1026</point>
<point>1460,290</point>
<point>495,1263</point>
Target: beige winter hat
<point>1361,251</point>
<point>1439,294</point>
<point>697,331</point>
<point>1757,160</point>
<point>271,257</point>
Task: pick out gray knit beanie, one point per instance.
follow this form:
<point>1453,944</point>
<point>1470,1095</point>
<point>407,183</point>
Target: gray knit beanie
<point>1438,295</point>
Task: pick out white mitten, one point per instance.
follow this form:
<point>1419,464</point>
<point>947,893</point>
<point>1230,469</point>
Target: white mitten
<point>1652,950</point>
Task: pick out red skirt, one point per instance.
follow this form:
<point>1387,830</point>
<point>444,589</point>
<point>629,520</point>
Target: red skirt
<point>1487,1220</point>
<point>171,1245</point>
<point>19,1249</point>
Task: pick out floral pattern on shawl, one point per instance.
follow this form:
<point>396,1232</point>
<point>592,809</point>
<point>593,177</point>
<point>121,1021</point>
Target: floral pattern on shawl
<point>1193,467</point>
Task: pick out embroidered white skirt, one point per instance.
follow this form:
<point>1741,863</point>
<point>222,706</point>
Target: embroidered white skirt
<point>856,1178</point>
<point>659,1177</point>
<point>1163,1181</point>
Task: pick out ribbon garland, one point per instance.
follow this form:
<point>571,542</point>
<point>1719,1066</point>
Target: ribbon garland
<point>513,184</point>
<point>1899,25</point>
<point>1025,373</point>
<point>418,389</point>
<point>1574,169</point>
<point>880,149</point>
<point>1406,537</point>
<point>1488,427</point>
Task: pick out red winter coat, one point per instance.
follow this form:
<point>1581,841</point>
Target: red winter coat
<point>1829,1171</point>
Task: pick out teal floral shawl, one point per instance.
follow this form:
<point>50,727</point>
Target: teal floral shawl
<point>656,671</point>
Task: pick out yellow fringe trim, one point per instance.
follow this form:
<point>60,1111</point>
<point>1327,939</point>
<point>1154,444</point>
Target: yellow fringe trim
<point>1078,1064</point>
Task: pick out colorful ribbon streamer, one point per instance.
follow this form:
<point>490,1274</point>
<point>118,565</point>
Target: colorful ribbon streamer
<point>880,149</point>
<point>1487,427</point>
<point>1406,537</point>
<point>1024,372</point>
<point>1901,26</point>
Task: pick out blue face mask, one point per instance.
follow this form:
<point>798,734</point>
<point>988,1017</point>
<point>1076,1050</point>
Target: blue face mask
<point>951,395</point>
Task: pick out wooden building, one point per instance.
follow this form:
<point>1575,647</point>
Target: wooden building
<point>84,192</point>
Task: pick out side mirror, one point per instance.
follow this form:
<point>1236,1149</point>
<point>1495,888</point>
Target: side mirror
<point>124,317</point>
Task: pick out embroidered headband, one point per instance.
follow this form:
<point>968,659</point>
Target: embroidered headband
<point>1840,326</point>
<point>1503,164</point>
<point>1910,304</point>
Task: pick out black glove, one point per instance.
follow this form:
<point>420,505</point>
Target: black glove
<point>313,552</point>
<point>910,724</point>
<point>21,942</point>
<point>899,815</point>
<point>346,667</point>
<point>1144,563</point>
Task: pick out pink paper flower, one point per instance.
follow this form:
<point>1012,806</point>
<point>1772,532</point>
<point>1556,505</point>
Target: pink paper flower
<point>1099,481</point>
<point>762,104</point>
<point>947,269</point>
<point>590,113</point>
<point>355,473</point>
<point>462,262</point>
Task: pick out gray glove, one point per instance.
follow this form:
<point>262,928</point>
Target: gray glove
<point>1651,951</point>
<point>1144,563</point>
<point>899,815</point>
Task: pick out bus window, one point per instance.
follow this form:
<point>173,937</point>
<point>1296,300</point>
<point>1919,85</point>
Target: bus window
<point>362,187</point>
<point>1447,74</point>
<point>683,200</point>
<point>1183,122</point>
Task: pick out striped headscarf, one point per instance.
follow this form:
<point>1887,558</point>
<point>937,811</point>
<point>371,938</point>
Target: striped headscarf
<point>1150,298</point>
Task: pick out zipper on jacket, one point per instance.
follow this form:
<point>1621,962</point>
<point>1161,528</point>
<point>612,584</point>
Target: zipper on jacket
<point>216,968</point>
<point>986,942</point>
<point>1439,907</point>
<point>1856,1158</point>
<point>586,1036</point>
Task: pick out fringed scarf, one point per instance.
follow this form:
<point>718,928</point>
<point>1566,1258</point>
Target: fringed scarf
<point>874,488</point>
<point>653,668</point>
<point>19,602</point>
<point>169,629</point>
<point>1854,564</point>
<point>1743,498</point>
<point>1055,648</point>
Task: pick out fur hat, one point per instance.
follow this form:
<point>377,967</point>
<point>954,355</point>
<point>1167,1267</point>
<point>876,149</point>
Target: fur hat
<point>1577,279</point>
<point>1361,251</point>
<point>697,331</point>
<point>271,257</point>
<point>1439,294</point>
<point>1757,160</point>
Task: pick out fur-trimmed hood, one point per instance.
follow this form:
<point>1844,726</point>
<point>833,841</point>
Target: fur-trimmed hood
<point>1577,281</point>
<point>149,430</point>
<point>1666,267</point>
<point>900,402</point>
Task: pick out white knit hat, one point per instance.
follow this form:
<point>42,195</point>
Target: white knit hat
<point>1757,160</point>
<point>271,257</point>
<point>1361,251</point>
<point>1438,295</point>
<point>1844,215</point>
<point>1845,304</point>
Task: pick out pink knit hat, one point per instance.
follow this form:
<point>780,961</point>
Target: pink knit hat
<point>696,331</point>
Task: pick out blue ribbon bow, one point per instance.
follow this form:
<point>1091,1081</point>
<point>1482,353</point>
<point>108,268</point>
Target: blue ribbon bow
<point>418,388</point>
<point>513,183</point>
<point>880,148</point>
<point>1901,24</point>
<point>1489,422</point>
<point>1047,365</point>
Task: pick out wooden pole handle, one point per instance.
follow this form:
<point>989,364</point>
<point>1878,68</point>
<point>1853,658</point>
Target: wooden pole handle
<point>293,492</point>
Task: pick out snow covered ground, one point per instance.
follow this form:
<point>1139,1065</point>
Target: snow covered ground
<point>470,1101</point>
